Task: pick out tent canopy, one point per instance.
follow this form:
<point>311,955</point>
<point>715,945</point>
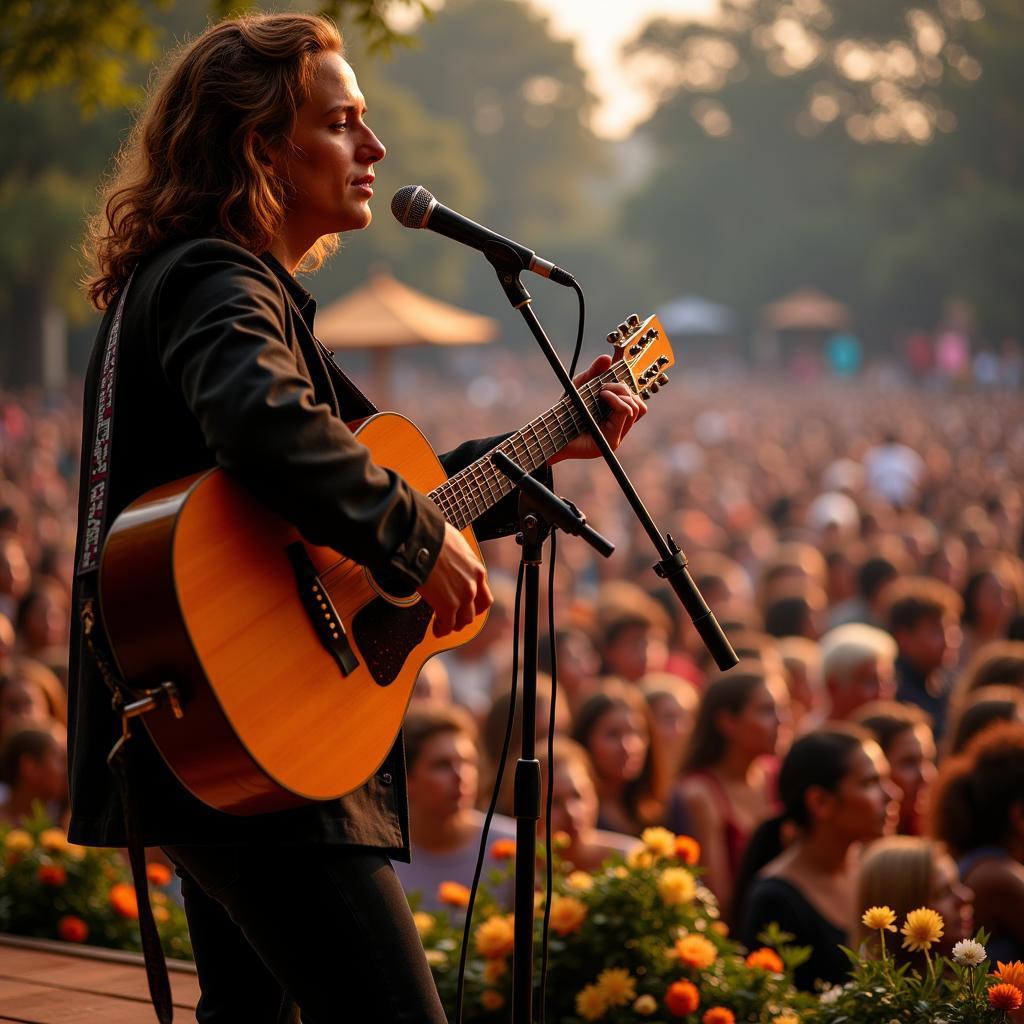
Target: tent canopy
<point>806,310</point>
<point>384,313</point>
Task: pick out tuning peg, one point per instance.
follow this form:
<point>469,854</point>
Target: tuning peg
<point>662,379</point>
<point>624,328</point>
<point>645,394</point>
<point>633,321</point>
<point>614,338</point>
<point>663,360</point>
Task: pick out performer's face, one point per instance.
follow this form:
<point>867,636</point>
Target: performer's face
<point>330,166</point>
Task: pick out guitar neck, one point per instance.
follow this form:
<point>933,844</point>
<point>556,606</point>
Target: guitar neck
<point>472,491</point>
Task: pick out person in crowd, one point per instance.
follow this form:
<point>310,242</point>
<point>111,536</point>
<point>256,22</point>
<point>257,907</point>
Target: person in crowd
<point>30,692</point>
<point>493,737</point>
<point>578,664</point>
<point>904,733</point>
<point>673,705</point>
<point>857,666</point>
<point>835,790</point>
<point>475,670</point>
<point>873,576</point>
<point>34,771</point>
<point>445,828</point>
<point>799,614</point>
<point>894,470</point>
<point>978,812</point>
<point>990,601</point>
<point>15,574</point>
<point>905,873</point>
<point>726,788</point>
<point>634,642</point>
<point>614,727</point>
<point>982,708</point>
<point>574,808</point>
<point>924,618</point>
<point>44,621</point>
<point>801,659</point>
<point>999,663</point>
<point>948,562</point>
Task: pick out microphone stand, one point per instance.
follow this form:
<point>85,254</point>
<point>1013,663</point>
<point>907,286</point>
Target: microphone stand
<point>540,511</point>
<point>670,567</point>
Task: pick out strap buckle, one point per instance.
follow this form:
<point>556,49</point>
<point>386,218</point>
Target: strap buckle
<point>150,700</point>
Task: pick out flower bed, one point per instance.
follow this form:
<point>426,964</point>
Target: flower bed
<point>637,941</point>
<point>52,889</point>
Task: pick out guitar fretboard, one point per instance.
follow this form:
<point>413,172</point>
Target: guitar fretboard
<point>481,485</point>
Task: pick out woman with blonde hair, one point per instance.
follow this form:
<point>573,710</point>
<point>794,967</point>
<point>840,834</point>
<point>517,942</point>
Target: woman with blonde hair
<point>908,872</point>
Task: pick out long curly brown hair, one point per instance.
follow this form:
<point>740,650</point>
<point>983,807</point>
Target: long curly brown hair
<point>195,163</point>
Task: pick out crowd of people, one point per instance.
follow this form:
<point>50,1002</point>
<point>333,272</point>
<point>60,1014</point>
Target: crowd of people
<point>861,545</point>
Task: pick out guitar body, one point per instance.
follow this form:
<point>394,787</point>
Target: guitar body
<point>202,586</point>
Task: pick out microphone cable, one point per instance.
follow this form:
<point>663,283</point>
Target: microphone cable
<point>507,741</point>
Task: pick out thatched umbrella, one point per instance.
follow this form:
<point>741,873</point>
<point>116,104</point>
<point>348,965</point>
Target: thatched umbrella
<point>806,310</point>
<point>383,314</point>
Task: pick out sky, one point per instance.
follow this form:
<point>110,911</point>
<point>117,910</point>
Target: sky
<point>599,28</point>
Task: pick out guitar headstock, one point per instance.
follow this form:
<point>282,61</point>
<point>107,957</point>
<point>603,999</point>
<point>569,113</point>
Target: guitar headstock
<point>644,348</point>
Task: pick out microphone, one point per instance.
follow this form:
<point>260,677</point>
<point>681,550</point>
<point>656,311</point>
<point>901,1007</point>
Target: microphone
<point>414,207</point>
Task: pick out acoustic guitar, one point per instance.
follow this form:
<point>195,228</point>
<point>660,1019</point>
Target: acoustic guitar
<point>293,669</point>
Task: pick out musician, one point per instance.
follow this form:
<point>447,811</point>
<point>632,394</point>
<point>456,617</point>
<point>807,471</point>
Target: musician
<point>251,155</point>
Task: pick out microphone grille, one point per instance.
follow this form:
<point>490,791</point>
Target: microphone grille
<point>411,206</point>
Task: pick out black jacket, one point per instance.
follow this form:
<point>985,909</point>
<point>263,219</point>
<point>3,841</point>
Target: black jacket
<point>218,365</point>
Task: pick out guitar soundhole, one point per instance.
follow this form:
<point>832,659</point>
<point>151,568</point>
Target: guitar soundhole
<point>386,634</point>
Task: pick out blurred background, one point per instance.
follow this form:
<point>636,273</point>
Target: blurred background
<point>863,154</point>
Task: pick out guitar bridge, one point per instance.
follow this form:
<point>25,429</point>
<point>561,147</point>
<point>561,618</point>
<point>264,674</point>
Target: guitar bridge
<point>322,613</point>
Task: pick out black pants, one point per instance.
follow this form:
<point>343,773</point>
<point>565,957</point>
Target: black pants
<point>325,927</point>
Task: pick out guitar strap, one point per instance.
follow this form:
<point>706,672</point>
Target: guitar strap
<point>125,701</point>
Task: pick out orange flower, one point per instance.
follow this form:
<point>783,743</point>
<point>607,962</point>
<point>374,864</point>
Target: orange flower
<point>490,999</point>
<point>52,874</point>
<point>503,849</point>
<point>682,998</point>
<point>696,951</point>
<point>567,914</point>
<point>719,1015</point>
<point>453,894</point>
<point>158,874</point>
<point>122,899</point>
<point>766,960</point>
<point>1005,997</point>
<point>687,849</point>
<point>1012,973</point>
<point>72,929</point>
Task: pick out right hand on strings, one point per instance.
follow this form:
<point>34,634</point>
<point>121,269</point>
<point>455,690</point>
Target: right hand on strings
<point>457,587</point>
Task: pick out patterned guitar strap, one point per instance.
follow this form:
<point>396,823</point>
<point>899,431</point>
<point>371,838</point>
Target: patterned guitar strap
<point>126,702</point>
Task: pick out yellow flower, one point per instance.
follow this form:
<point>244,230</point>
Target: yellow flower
<point>494,970</point>
<point>675,886</point>
<point>567,914</point>
<point>453,894</point>
<point>879,919</point>
<point>581,881</point>
<point>424,923</point>
<point>695,951</point>
<point>660,841</point>
<point>496,936</point>
<point>617,986</point>
<point>161,915</point>
<point>786,1017</point>
<point>75,852</point>
<point>19,841</point>
<point>436,957</point>
<point>620,872</point>
<point>720,928</point>
<point>54,840</point>
<point>646,1005</point>
<point>590,1004</point>
<point>639,857</point>
<point>491,1000</point>
<point>922,929</point>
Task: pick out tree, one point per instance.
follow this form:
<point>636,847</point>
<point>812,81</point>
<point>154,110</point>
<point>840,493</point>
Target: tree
<point>839,145</point>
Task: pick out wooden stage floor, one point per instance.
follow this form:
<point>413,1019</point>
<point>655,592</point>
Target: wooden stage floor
<point>59,983</point>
